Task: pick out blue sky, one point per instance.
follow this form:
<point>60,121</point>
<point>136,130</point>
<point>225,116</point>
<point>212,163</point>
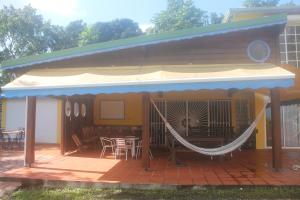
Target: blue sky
<point>61,12</point>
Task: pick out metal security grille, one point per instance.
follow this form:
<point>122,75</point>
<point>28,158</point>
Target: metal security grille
<point>157,126</point>
<point>290,125</point>
<point>290,46</point>
<point>186,116</point>
<point>242,115</point>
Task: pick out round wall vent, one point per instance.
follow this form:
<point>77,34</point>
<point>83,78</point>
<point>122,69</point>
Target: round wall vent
<point>258,51</point>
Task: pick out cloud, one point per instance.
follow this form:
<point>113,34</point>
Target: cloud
<point>144,27</point>
<point>62,8</point>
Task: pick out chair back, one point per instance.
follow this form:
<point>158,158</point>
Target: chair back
<point>88,132</point>
<point>120,142</point>
<point>139,144</point>
<point>76,140</point>
<point>106,141</point>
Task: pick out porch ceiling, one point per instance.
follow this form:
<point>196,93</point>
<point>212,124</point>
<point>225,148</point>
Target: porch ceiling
<point>107,80</point>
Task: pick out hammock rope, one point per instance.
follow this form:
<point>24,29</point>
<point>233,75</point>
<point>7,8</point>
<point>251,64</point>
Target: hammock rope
<point>228,148</point>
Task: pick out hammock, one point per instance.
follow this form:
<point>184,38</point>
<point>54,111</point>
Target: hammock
<point>228,148</point>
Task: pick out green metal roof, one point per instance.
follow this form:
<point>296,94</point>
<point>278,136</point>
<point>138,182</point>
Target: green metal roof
<point>144,40</point>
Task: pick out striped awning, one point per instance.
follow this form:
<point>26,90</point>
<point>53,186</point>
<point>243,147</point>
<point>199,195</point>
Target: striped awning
<point>107,80</point>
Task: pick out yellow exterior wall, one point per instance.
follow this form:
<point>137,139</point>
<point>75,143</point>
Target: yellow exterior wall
<point>133,109</point>
<point>261,126</point>
<point>244,16</point>
<point>59,121</point>
<point>3,114</point>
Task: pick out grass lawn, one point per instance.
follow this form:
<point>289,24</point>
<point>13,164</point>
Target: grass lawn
<point>205,193</point>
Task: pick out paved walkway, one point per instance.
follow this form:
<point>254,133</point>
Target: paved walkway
<point>245,168</point>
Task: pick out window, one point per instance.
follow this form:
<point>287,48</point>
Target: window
<point>258,51</point>
<point>290,46</point>
<point>112,109</point>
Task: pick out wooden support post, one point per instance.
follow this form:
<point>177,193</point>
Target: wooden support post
<point>63,130</point>
<point>276,128</point>
<point>30,131</point>
<point>146,132</point>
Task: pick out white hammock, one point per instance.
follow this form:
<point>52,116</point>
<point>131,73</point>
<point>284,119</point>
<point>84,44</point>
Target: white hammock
<point>228,148</point>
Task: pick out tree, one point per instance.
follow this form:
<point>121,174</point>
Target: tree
<point>105,31</point>
<point>180,14</point>
<point>72,33</point>
<point>290,3</point>
<point>23,33</point>
<point>216,18</point>
<point>260,3</point>
<point>20,32</point>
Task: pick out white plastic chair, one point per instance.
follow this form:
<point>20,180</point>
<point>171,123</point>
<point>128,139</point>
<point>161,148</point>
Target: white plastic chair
<point>139,148</point>
<point>106,143</point>
<point>121,146</point>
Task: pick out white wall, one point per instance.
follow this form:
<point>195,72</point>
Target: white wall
<point>15,114</point>
<point>46,118</point>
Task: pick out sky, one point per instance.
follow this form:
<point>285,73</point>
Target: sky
<point>61,12</point>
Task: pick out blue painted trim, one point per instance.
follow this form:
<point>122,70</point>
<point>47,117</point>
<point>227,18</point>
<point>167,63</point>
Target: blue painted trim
<point>252,84</point>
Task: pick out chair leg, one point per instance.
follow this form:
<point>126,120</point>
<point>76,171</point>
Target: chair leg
<point>150,154</point>
<point>138,152</point>
<point>126,153</point>
<point>113,149</point>
<point>103,152</point>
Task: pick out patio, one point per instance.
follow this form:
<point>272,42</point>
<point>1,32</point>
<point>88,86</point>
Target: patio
<point>245,168</point>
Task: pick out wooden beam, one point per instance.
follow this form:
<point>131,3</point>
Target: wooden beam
<point>276,128</point>
<point>30,131</point>
<point>63,132</point>
<point>146,132</point>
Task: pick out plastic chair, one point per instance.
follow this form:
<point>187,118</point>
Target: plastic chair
<point>78,143</point>
<point>106,143</point>
<point>139,148</point>
<point>121,146</point>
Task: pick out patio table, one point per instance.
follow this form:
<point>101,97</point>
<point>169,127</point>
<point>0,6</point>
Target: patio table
<point>14,135</point>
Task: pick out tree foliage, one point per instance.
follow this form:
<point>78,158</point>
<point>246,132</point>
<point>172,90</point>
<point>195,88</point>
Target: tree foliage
<point>216,18</point>
<point>180,14</point>
<point>73,31</point>
<point>260,3</point>
<point>290,3</point>
<point>105,31</point>
<point>21,32</point>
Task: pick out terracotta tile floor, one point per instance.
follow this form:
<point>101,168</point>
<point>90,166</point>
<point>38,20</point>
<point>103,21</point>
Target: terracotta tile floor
<point>245,168</point>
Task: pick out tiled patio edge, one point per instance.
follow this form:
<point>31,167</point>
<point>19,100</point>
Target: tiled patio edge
<point>89,184</point>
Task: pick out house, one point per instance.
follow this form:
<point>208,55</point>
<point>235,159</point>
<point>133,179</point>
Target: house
<point>207,80</point>
<point>289,47</point>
